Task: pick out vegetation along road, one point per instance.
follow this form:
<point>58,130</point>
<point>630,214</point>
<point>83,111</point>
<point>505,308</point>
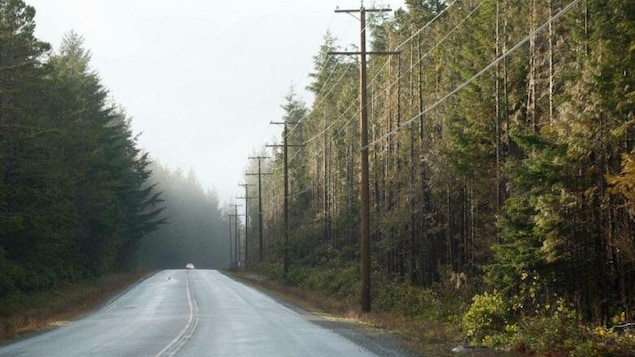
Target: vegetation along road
<point>198,313</point>
<point>465,175</point>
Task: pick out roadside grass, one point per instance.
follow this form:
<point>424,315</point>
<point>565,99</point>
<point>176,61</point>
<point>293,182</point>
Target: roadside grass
<point>432,321</point>
<point>424,324</point>
<point>23,313</point>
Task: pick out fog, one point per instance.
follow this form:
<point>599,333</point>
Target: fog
<point>202,79</point>
<point>195,231</point>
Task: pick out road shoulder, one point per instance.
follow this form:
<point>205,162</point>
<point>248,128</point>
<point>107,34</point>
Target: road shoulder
<point>378,340</point>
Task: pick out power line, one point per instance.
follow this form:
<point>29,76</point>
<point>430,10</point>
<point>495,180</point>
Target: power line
<point>285,246</point>
<point>246,198</point>
<point>345,71</point>
<point>409,70</point>
<point>236,262</point>
<point>391,84</point>
<point>325,96</point>
<point>364,179</point>
<point>461,86</point>
<point>260,173</point>
<point>480,73</point>
<point>426,25</point>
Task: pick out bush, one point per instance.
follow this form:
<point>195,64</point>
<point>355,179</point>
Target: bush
<point>270,269</point>
<point>488,316</point>
<point>550,330</point>
<point>558,330</point>
<point>601,341</point>
<point>342,282</point>
<point>406,300</point>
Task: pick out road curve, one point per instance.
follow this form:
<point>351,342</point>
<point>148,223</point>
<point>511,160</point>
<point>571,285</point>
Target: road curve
<point>190,313</point>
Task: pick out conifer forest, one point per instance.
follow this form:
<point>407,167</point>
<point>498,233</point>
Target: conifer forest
<point>78,198</point>
<point>500,157</point>
<point>501,160</point>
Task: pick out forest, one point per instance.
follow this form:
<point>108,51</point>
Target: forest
<point>196,229</point>
<point>501,161</point>
<point>78,198</point>
<point>75,198</point>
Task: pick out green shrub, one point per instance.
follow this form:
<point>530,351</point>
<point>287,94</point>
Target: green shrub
<point>385,293</point>
<point>270,269</point>
<point>550,330</point>
<point>297,275</point>
<point>601,341</point>
<point>342,281</point>
<point>556,329</point>
<point>407,300</point>
<point>488,316</point>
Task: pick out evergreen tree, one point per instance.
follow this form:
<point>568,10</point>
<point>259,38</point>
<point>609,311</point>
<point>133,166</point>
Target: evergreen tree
<point>74,192</point>
<point>193,230</point>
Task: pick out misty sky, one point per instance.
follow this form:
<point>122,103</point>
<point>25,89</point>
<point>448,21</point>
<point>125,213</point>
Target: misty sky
<point>202,79</point>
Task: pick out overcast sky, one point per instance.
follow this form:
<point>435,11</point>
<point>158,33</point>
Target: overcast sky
<point>202,79</point>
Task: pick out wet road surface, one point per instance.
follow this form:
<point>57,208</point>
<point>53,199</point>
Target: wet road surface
<point>192,313</point>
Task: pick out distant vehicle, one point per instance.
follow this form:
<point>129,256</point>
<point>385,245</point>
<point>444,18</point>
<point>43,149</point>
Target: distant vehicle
<point>189,266</point>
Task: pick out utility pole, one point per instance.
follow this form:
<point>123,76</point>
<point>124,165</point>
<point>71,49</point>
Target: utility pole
<point>231,249</point>
<point>285,244</point>
<point>246,198</point>
<point>260,173</point>
<point>236,235</point>
<point>364,224</point>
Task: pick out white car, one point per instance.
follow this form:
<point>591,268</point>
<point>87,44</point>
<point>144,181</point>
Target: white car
<point>189,266</point>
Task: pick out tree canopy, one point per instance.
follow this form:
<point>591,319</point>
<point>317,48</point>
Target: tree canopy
<point>75,191</point>
<point>501,151</point>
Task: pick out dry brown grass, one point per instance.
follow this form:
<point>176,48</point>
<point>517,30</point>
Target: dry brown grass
<point>425,337</point>
<point>24,313</point>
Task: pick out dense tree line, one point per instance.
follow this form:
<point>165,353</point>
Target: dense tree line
<point>501,152</point>
<point>75,194</point>
<point>196,231</point>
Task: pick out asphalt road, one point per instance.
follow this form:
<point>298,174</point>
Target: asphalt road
<point>199,313</point>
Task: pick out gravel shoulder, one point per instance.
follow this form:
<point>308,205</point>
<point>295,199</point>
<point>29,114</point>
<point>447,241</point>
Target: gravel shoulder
<point>380,341</point>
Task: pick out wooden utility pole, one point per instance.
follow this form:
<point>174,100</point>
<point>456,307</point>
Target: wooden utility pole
<point>246,198</point>
<point>260,173</point>
<point>236,235</point>
<point>231,249</point>
<point>285,244</point>
<point>364,181</point>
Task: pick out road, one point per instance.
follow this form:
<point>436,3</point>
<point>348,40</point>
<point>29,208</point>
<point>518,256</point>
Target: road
<point>195,313</point>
